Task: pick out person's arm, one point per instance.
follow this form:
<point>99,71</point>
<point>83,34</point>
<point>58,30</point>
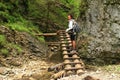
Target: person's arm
<point>70,26</point>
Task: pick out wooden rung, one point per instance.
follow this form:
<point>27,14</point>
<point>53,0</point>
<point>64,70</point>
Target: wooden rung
<point>62,33</point>
<point>64,45</point>
<point>65,42</point>
<point>69,72</point>
<point>53,42</point>
<point>67,36</point>
<point>73,51</point>
<point>72,63</point>
<point>61,36</point>
<point>66,49</point>
<point>80,71</point>
<point>65,56</point>
<point>73,68</point>
<point>68,53</point>
<point>72,58</point>
<point>65,52</point>
<point>75,56</point>
<point>62,39</point>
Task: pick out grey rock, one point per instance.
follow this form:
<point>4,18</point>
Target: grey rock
<point>102,23</point>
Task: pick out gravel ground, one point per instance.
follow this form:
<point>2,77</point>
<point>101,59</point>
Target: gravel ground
<point>38,66</point>
<point>96,74</point>
<point>15,73</point>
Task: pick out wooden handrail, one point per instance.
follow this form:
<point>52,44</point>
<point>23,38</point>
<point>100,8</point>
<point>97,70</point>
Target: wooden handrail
<point>47,34</point>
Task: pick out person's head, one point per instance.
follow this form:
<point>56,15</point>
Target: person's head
<point>70,17</point>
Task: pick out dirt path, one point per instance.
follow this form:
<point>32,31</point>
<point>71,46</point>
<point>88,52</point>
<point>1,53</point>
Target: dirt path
<point>30,69</point>
<point>37,70</point>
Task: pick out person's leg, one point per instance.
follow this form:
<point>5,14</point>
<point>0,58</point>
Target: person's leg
<point>74,44</point>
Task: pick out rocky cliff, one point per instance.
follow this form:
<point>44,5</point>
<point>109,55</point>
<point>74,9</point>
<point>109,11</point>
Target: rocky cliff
<point>19,45</point>
<point>100,24</point>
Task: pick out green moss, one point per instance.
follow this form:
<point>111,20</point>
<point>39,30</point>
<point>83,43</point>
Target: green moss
<point>18,26</point>
<point>16,47</point>
<point>24,26</point>
<point>112,68</point>
<point>4,52</point>
<point>41,39</point>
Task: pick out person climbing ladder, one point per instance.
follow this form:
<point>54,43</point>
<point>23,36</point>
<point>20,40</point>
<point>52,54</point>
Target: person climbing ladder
<point>71,30</point>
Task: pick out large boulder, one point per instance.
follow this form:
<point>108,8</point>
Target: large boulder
<point>101,29</point>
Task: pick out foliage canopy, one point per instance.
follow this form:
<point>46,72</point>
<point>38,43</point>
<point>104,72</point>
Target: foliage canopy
<point>49,14</point>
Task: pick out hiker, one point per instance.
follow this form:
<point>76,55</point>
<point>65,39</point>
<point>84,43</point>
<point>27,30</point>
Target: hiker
<point>70,31</point>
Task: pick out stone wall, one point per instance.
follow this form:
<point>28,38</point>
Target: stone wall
<point>100,28</point>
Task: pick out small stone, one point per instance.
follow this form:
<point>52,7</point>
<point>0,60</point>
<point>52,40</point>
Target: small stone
<point>3,70</point>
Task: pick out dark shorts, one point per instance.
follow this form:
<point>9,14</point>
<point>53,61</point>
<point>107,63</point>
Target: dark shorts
<point>72,36</point>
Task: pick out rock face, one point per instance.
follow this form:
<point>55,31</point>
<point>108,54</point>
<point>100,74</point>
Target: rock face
<point>28,43</point>
<point>101,26</point>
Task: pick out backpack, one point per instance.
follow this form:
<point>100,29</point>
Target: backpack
<point>76,27</point>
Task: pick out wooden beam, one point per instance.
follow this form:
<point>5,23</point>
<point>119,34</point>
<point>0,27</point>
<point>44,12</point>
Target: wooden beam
<point>58,75</point>
<point>53,43</point>
<point>56,67</point>
<point>47,34</point>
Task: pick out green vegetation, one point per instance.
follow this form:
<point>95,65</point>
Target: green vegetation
<point>112,68</point>
<point>34,17</point>
<point>49,14</point>
<point>2,40</point>
<point>37,16</point>
<point>4,52</point>
<point>41,39</point>
<point>18,26</point>
<point>83,7</point>
<point>15,47</point>
<point>5,46</point>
